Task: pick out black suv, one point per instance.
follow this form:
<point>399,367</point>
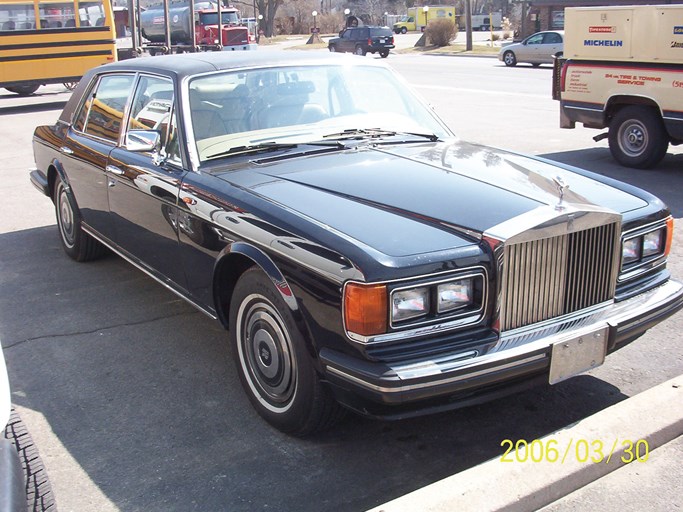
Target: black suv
<point>361,40</point>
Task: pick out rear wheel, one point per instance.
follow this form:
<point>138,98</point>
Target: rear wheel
<point>274,366</point>
<point>509,59</point>
<point>79,245</point>
<point>637,137</point>
<point>384,53</point>
<point>359,50</point>
<point>23,90</point>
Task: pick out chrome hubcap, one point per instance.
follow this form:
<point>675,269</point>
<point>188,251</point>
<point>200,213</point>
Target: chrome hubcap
<point>633,138</point>
<point>265,353</point>
<point>66,219</point>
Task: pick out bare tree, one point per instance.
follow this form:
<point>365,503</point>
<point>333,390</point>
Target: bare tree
<point>268,8</point>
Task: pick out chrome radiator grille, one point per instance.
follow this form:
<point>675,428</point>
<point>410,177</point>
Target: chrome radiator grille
<point>556,276</point>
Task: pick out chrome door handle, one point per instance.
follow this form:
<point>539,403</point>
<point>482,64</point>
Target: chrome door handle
<point>66,150</point>
<point>114,170</point>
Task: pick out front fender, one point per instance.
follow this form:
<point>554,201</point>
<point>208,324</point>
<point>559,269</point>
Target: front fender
<point>231,262</point>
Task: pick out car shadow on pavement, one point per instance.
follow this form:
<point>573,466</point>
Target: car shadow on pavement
<point>139,388</point>
<point>664,181</point>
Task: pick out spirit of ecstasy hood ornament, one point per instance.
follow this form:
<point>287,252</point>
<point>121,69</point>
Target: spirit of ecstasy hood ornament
<point>561,187</point>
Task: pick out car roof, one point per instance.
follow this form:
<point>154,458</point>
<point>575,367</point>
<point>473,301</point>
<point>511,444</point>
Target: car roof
<point>188,64</point>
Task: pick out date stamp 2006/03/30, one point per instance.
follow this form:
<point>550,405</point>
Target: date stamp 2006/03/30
<point>582,450</point>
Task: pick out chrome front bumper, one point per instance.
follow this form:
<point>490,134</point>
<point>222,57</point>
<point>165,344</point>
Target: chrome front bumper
<point>517,354</point>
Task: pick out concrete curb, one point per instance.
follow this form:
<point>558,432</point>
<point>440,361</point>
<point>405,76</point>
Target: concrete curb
<point>656,416</point>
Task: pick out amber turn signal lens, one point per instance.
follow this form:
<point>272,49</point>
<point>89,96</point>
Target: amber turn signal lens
<point>365,308</point>
<point>669,235</point>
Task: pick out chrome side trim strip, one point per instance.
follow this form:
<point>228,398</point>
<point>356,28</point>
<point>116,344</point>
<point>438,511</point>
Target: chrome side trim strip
<point>119,252</point>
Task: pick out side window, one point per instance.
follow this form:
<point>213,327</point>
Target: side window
<point>102,111</point>
<point>152,109</point>
<point>152,104</point>
<point>552,38</point>
<point>537,39</point>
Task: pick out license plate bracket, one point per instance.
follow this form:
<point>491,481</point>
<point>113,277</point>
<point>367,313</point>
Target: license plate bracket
<point>578,354</point>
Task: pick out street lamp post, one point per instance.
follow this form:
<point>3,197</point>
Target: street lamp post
<point>258,28</point>
<point>425,9</point>
<point>314,13</point>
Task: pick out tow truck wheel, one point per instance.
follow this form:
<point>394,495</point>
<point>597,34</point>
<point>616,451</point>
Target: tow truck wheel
<point>637,137</point>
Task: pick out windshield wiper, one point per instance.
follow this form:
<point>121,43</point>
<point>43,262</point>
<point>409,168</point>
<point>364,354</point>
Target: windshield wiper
<point>353,133</point>
<point>271,146</point>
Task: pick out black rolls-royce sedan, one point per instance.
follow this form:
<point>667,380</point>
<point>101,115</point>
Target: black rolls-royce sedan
<point>356,251</point>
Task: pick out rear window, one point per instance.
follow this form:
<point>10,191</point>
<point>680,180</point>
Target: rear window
<point>381,32</point>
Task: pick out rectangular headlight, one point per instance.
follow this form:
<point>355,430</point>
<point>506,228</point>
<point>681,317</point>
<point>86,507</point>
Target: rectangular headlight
<point>653,243</point>
<point>454,295</point>
<point>631,250</point>
<point>410,303</point>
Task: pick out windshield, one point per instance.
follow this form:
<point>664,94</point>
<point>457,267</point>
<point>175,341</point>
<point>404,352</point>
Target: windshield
<point>302,104</point>
<point>211,18</point>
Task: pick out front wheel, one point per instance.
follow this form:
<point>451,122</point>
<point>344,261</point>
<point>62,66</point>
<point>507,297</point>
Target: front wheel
<point>404,30</point>
<point>77,244</point>
<point>332,48</point>
<point>509,59</point>
<point>273,364</point>
<point>39,496</point>
<point>637,137</point>
<point>384,54</point>
<point>359,50</point>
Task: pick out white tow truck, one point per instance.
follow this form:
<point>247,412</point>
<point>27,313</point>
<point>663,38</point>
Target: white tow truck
<point>622,69</point>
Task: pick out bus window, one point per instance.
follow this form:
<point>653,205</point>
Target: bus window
<point>90,13</point>
<point>57,15</point>
<point>17,17</point>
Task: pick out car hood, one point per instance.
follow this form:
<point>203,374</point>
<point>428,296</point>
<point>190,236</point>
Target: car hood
<point>416,198</point>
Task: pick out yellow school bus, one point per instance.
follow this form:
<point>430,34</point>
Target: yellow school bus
<point>53,41</point>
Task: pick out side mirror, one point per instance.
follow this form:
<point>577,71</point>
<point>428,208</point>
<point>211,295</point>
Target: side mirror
<point>143,141</point>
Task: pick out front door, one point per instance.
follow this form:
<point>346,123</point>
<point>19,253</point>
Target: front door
<point>144,186</point>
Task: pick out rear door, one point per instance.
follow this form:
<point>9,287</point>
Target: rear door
<point>553,44</point>
<point>93,134</point>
